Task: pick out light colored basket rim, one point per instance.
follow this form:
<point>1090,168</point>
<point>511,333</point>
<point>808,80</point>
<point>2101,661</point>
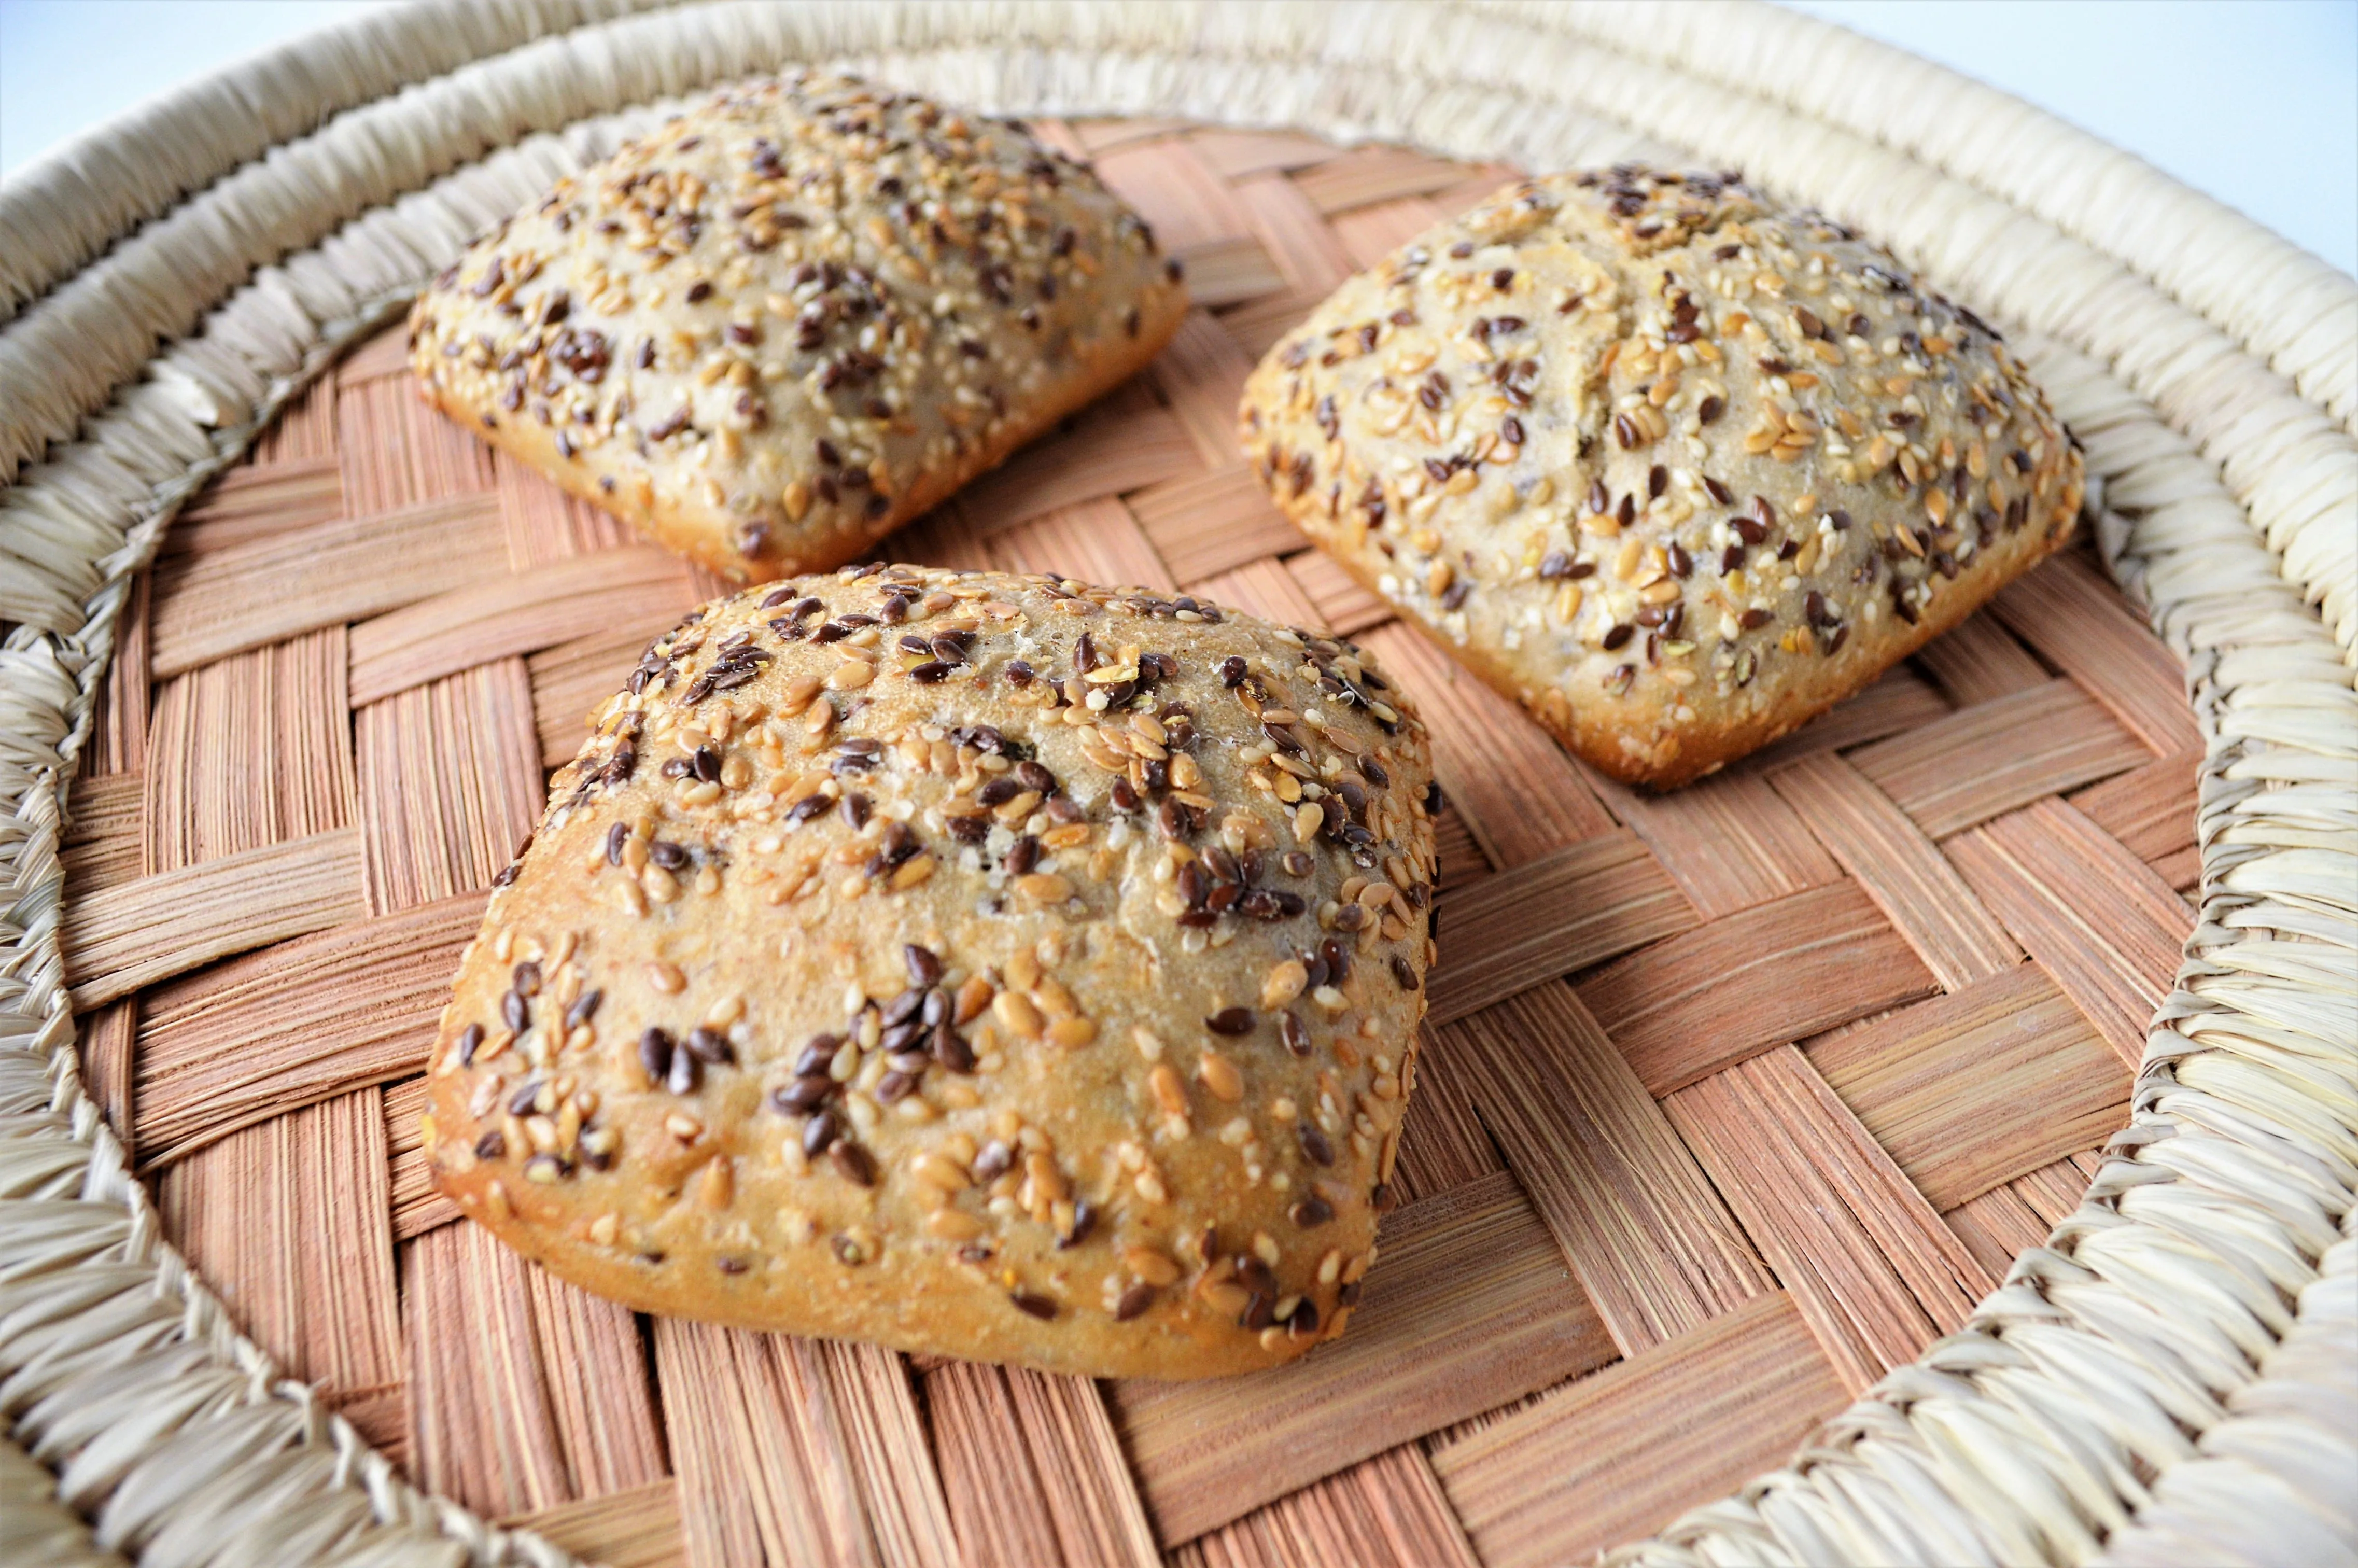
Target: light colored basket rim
<point>2242,350</point>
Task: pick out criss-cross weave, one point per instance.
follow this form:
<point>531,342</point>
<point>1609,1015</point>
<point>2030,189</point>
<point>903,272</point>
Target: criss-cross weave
<point>1762,1114</point>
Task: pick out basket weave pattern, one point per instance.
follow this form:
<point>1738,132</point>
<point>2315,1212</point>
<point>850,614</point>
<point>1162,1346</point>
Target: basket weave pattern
<point>1736,1100</point>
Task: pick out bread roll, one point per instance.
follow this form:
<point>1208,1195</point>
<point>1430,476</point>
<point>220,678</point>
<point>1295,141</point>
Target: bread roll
<point>784,324</point>
<point>973,964</point>
<point>1672,468</point>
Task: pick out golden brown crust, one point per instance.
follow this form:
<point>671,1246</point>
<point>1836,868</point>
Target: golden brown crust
<point>967,963</point>
<point>791,321</point>
<point>1675,470</point>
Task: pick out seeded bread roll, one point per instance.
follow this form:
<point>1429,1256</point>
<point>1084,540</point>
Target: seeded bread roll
<point>788,322</point>
<point>1673,469</point>
<point>974,964</point>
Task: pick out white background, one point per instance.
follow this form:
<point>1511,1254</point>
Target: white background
<point>2254,101</point>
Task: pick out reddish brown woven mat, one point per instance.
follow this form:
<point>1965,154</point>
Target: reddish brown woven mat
<point>1733,1099</point>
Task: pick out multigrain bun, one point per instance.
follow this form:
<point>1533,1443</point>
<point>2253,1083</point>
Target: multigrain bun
<point>969,962</point>
<point>1674,468</point>
<point>784,324</point>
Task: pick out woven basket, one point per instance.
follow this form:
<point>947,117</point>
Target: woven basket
<point>1955,1105</point>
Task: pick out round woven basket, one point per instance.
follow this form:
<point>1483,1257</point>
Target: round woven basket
<point>1933,1140</point>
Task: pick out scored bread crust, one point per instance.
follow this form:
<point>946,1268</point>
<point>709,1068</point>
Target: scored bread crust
<point>972,964</point>
<point>1674,468</point>
<point>779,326</point>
